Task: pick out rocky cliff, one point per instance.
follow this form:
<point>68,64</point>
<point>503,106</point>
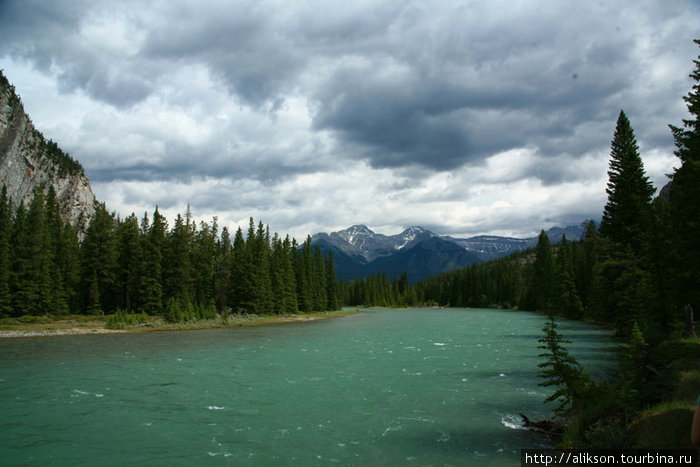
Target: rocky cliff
<point>29,162</point>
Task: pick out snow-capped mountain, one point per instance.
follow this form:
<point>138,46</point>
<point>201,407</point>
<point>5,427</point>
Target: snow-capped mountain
<point>358,251</point>
<point>360,242</point>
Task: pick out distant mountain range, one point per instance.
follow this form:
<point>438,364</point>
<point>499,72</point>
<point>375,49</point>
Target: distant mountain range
<point>360,252</point>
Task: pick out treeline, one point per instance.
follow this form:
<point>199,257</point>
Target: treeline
<point>135,265</point>
<point>625,271</point>
<point>378,290</point>
<point>640,266</point>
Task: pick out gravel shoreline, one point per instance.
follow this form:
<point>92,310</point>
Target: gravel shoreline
<point>73,328</point>
<point>58,332</point>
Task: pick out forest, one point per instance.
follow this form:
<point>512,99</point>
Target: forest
<point>126,266</point>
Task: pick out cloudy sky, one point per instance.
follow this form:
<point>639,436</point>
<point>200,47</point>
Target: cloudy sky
<point>465,117</point>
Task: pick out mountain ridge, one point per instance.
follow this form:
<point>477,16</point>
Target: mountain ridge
<point>359,251</point>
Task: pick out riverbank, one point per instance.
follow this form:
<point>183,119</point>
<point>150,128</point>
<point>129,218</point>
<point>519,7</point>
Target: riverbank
<point>45,326</point>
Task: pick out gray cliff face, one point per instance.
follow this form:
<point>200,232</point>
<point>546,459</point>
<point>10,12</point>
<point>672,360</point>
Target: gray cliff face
<point>29,162</point>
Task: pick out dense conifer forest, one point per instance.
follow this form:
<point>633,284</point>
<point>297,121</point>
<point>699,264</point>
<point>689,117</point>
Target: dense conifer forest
<point>126,266</point>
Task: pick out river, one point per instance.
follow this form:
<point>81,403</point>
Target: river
<point>383,388</point>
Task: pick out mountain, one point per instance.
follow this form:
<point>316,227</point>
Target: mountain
<point>363,245</point>
<point>426,258</point>
<point>28,162</point>
<point>360,252</point>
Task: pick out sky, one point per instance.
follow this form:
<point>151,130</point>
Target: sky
<point>464,117</point>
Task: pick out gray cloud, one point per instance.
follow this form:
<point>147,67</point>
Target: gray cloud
<point>189,92</point>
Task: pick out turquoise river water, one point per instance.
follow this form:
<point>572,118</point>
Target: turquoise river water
<point>383,388</point>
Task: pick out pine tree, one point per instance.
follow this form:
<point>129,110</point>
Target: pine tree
<point>627,212</point>
<point>685,198</point>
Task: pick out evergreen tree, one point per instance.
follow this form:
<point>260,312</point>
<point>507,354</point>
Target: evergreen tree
<point>99,261</point>
<point>320,294</point>
<point>332,292</point>
<point>567,298</point>
<point>262,283</point>
<point>282,275</point>
<point>560,370</point>
<point>241,274</point>
<point>31,283</point>
<point>203,261</point>
<point>303,268</point>
<point>64,268</point>
<point>178,274</point>
<point>627,212</point>
<point>153,238</point>
<point>222,271</point>
<point>5,262</point>
<point>541,286</point>
<point>685,198</point>
<point>586,262</point>
<point>131,264</point>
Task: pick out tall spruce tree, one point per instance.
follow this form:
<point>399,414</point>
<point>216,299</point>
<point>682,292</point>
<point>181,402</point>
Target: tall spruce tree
<point>627,212</point>
<point>153,238</point>
<point>685,197</point>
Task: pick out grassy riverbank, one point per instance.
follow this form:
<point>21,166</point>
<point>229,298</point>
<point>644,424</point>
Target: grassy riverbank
<point>37,326</point>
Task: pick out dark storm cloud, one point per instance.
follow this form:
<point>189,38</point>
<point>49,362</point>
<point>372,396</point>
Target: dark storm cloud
<point>457,109</point>
<point>394,83</point>
<point>48,35</point>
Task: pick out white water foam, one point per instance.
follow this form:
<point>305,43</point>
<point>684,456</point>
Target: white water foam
<point>214,407</point>
<point>512,421</point>
<point>78,393</point>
